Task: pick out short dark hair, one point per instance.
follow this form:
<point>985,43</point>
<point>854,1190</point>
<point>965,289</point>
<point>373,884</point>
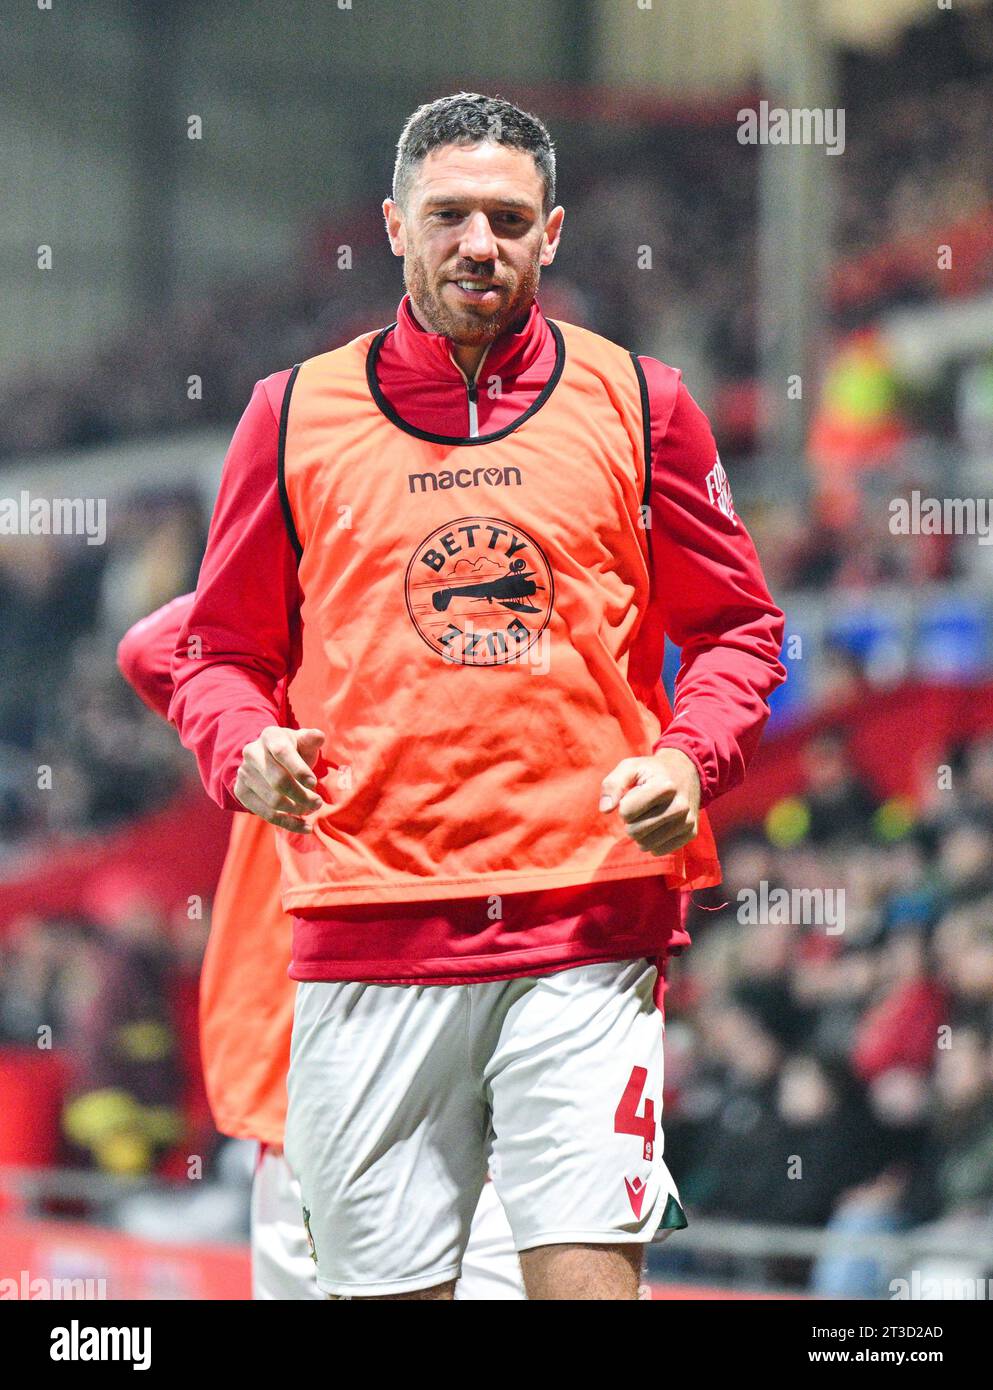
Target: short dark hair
<point>468,118</point>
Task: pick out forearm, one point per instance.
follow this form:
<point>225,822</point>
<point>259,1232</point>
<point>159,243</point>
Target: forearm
<point>721,709</point>
<point>217,712</point>
<point>144,653</point>
<point>713,601</point>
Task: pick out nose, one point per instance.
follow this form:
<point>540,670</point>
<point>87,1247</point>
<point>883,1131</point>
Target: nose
<point>478,242</point>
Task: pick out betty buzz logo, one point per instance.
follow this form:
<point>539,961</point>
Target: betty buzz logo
<point>479,591</point>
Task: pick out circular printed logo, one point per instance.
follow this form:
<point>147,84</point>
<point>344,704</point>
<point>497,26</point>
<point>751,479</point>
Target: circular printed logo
<point>479,591</point>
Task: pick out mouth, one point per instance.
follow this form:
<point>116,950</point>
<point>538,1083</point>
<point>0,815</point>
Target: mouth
<point>477,291</point>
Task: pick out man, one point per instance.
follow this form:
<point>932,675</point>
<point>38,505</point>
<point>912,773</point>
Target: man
<point>246,1014</point>
<point>489,811</point>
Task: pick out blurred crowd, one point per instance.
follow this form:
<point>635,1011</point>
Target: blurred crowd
<point>77,751</point>
<point>829,1061</point>
<point>107,1004</point>
<point>917,162</point>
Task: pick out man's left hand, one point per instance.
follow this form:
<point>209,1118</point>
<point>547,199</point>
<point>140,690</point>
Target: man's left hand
<point>658,798</point>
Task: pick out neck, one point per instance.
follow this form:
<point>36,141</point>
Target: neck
<point>469,358</point>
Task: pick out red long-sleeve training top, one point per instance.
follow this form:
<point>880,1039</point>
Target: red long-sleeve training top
<point>708,592</point>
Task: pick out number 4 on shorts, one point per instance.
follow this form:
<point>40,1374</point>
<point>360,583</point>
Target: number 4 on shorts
<point>626,1117</point>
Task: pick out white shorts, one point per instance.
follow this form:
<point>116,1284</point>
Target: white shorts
<point>401,1095</point>
<point>283,1268</point>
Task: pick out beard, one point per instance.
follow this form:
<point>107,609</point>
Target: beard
<point>467,326</point>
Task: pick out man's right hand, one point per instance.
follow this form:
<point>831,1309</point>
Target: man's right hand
<point>276,780</point>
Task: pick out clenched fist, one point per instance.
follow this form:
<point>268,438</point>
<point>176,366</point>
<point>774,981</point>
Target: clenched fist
<point>658,798</point>
<point>276,779</point>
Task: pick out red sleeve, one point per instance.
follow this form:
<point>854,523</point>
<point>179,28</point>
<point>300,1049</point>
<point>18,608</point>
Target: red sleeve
<point>238,641</point>
<point>144,653</point>
<point>713,598</point>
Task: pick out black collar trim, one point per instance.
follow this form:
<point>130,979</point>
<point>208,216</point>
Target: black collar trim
<point>401,423</point>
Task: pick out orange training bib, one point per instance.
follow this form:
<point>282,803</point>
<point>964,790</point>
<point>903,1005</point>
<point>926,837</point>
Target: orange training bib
<point>469,614</point>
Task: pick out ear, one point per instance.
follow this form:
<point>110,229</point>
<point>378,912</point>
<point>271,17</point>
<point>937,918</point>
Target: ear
<point>553,235</point>
<point>395,229</point>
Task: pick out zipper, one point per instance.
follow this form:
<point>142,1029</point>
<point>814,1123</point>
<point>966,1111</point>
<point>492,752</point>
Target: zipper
<point>472,392</point>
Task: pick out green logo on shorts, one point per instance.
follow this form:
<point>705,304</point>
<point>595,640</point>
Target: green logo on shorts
<point>310,1238</point>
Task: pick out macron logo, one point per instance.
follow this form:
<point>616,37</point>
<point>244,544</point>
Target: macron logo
<point>636,1195</point>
